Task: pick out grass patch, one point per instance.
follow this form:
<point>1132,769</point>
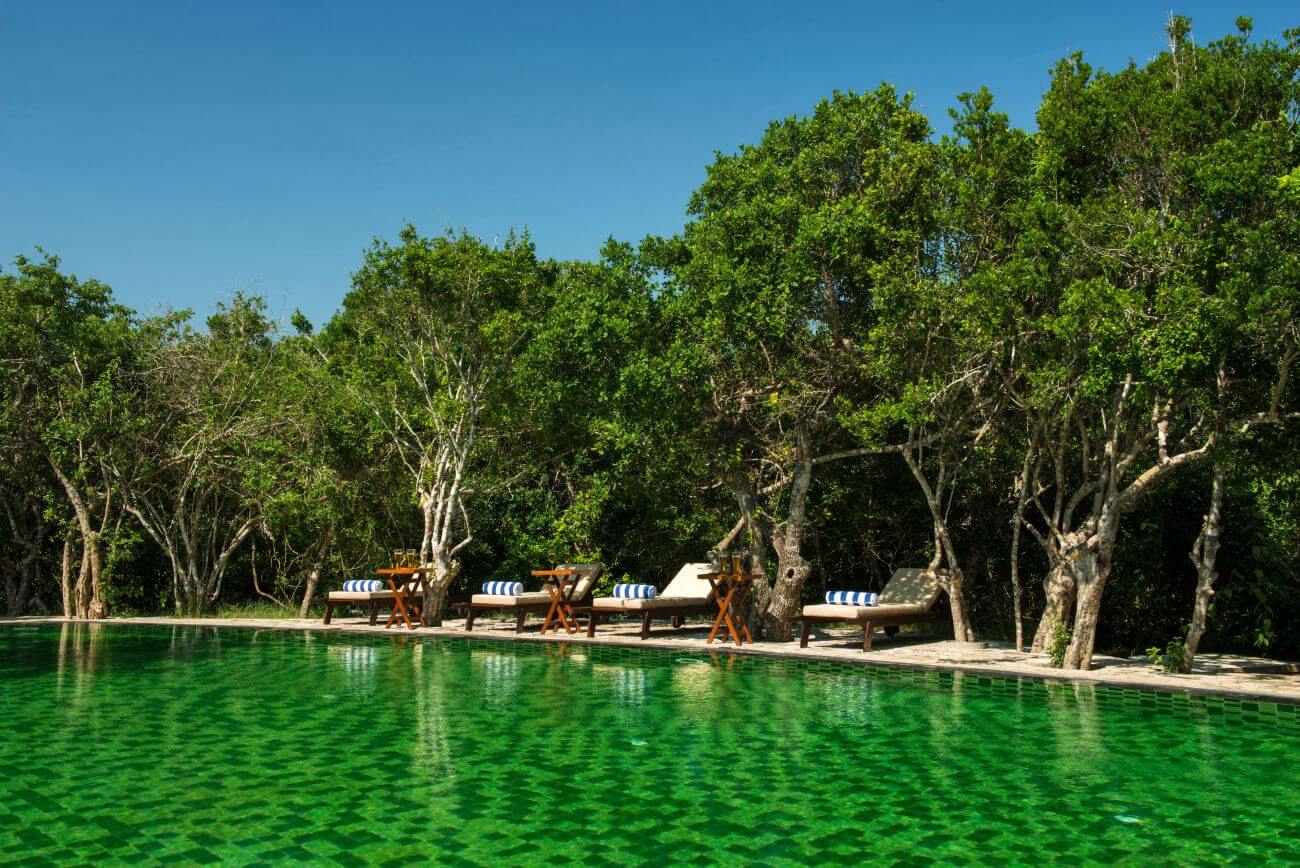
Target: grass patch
<point>259,609</point>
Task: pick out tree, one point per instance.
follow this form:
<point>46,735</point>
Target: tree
<point>427,333</point>
<point>67,345</point>
<point>774,292</point>
<point>1165,184</point>
<point>209,443</point>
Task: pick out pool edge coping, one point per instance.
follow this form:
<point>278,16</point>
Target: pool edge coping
<point>974,669</point>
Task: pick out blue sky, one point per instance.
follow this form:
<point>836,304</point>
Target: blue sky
<point>180,150</point>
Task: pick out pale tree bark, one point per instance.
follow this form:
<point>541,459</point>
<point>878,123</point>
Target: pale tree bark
<point>443,505</point>
<point>313,577</point>
<point>1058,591</point>
<point>88,604</point>
<point>1017,524</point>
<point>950,578</point>
<point>1129,433</point>
<point>792,569</point>
<point>65,582</point>
<point>1055,538</point>
<point>296,572</point>
<point>199,538</point>
<point>432,419</point>
<point>1136,431</point>
<point>1205,553</point>
<point>185,483</point>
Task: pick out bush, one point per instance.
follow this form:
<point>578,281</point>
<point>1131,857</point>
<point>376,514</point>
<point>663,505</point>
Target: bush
<point>1172,659</point>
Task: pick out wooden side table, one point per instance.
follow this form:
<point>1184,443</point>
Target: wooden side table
<point>560,584</point>
<point>729,591</point>
<point>406,583</point>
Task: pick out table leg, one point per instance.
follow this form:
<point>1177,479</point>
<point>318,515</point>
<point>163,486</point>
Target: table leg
<point>399,607</point>
<point>555,607</point>
<point>731,625</point>
<point>567,618</point>
<point>738,609</point>
<point>724,605</point>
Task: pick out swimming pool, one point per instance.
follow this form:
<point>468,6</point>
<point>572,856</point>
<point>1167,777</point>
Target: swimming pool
<point>193,744</point>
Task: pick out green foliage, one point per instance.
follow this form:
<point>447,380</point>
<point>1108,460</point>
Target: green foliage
<point>1173,658</point>
<point>1059,645</point>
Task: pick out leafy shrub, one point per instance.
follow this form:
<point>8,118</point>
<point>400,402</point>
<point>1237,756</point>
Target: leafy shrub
<point>1060,644</point>
<point>1172,659</point>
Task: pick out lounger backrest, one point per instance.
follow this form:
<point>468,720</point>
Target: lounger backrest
<point>910,588</point>
<point>688,584</point>
<point>590,572</point>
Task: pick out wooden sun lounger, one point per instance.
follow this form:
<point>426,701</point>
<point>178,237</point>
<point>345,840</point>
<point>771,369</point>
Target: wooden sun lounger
<point>910,597</point>
<point>530,603</point>
<point>685,596</point>
<point>677,614</point>
<point>361,600</point>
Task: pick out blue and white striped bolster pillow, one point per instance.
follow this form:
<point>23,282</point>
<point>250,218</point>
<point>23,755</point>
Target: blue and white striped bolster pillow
<point>366,585</point>
<point>503,589</point>
<point>851,598</point>
<point>636,592</point>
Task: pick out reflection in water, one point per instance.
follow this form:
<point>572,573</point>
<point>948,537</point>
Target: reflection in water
<point>625,684</point>
<point>499,674</point>
<point>433,754</point>
<point>357,662</point>
<point>847,697</point>
<point>1073,716</point>
<point>694,685</point>
<point>81,656</point>
<point>208,748</point>
<point>628,684</point>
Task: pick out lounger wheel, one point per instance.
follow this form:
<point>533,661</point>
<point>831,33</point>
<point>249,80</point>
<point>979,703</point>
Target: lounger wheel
<point>678,621</point>
<point>891,632</point>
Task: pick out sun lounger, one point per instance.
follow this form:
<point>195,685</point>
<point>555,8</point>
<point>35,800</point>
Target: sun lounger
<point>910,597</point>
<point>686,595</point>
<point>533,602</point>
<point>363,599</point>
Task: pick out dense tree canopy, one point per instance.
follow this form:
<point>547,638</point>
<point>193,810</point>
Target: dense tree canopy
<point>1054,366</point>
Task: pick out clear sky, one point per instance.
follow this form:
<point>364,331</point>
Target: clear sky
<point>182,150</point>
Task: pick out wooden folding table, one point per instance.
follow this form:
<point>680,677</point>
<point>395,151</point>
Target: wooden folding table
<point>560,584</point>
<point>730,588</point>
<point>406,583</point>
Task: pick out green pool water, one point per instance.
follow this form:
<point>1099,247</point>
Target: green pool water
<point>202,745</point>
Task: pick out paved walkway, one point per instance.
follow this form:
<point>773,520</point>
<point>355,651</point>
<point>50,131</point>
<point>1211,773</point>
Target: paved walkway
<point>1215,674</point>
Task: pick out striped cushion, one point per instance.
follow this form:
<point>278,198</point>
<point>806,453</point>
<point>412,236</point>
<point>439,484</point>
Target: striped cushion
<point>503,589</point>
<point>851,598</point>
<point>635,592</point>
<point>366,585</point>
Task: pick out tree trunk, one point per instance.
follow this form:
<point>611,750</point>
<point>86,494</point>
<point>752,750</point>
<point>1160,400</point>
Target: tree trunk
<point>89,543</point>
<point>80,592</point>
<point>792,570</point>
<point>445,571</point>
<point>1204,554</point>
<point>65,579</point>
<point>761,592</point>
<point>313,578</point>
<point>1023,481</point>
<point>953,581</point>
<point>1058,589</point>
<point>1091,567</point>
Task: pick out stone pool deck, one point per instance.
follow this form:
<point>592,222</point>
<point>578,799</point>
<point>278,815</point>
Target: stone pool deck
<point>1215,674</point>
